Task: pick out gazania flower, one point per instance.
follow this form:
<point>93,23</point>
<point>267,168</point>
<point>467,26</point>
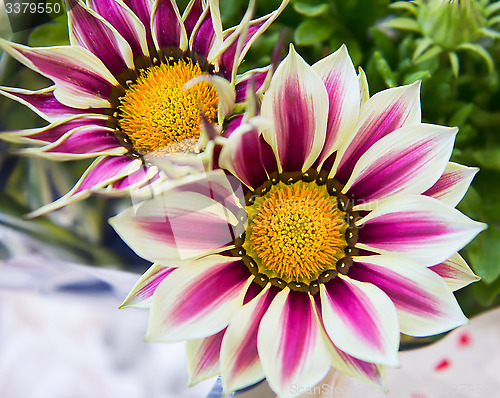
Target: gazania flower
<point>121,88</point>
<point>343,235</point>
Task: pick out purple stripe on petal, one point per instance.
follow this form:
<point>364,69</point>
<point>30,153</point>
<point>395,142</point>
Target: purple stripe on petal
<point>145,288</point>
<point>44,103</point>
<point>356,312</point>
<point>143,10</point>
<point>167,27</point>
<point>404,292</point>
<point>204,36</point>
<point>232,124</point>
<point>380,116</point>
<point>204,357</point>
<point>140,177</point>
<point>125,22</point>
<point>93,34</point>
<point>241,87</point>
<point>104,170</point>
<point>87,140</point>
<point>242,157</point>
<point>65,66</point>
<point>223,283</point>
<point>192,15</point>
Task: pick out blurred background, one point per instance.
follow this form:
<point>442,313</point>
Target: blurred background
<point>453,46</point>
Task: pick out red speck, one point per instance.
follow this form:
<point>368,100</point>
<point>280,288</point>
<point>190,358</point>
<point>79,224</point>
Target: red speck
<point>418,395</point>
<point>442,365</point>
<point>464,340</point>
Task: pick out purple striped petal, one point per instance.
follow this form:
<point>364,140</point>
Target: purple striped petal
<point>141,293</point>
<point>360,320</point>
<point>143,9</point>
<point>290,343</point>
<point>86,142</point>
<point>168,29</point>
<point>135,181</point>
<point>192,14</point>
<point>203,357</point>
<point>233,123</point>
<point>203,36</point>
<point>418,227</point>
<point>341,82</point>
<point>55,130</point>
<point>242,156</point>
<point>297,103</point>
<point>257,77</point>
<point>406,161</point>
<point>231,52</point>
<point>128,25</point>
<point>89,30</point>
<point>386,111</point>
<point>82,80</point>
<point>453,184</point>
<point>100,174</point>
<point>177,226</point>
<point>425,305</point>
<point>43,103</point>
<point>455,272</point>
<point>240,363</point>
<point>198,300</point>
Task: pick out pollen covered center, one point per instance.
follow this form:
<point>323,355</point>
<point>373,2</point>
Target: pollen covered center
<point>155,111</point>
<point>295,232</point>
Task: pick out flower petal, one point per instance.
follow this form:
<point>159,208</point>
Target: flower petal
<point>360,320</point>
<point>386,111</point>
<point>143,9</point>
<point>177,226</point>
<point>297,103</point>
<point>203,357</point>
<point>204,35</point>
<point>240,363</point>
<point>167,27</point>
<point>418,227</point>
<point>290,344</point>
<point>81,143</point>
<point>198,300</point>
<point>102,172</point>
<point>242,156</point>
<point>453,184</point>
<point>128,25</point>
<point>260,79</point>
<point>191,15</point>
<point>455,272</point>
<point>43,103</point>
<point>341,82</point>
<point>425,306</point>
<point>408,160</point>
<point>82,80</point>
<point>55,130</point>
<point>89,30</point>
<point>141,293</point>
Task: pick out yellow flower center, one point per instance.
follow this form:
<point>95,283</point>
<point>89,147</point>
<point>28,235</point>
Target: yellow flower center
<point>295,232</point>
<point>156,112</point>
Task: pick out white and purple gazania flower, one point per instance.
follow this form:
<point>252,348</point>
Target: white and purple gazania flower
<point>121,88</point>
<point>343,234</point>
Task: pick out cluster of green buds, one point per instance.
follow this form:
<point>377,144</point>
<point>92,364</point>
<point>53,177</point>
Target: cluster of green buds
<point>449,26</point>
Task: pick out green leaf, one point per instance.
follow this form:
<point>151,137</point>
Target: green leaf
<point>384,69</point>
<point>484,255</point>
<point>479,50</point>
<point>421,74</point>
<point>404,6</point>
<point>428,54</point>
<point>486,293</point>
<point>461,115</point>
<point>492,8</point>
<point>403,24</point>
<point>423,44</point>
<point>311,10</point>
<point>455,64</point>
<point>54,33</point>
<point>488,158</point>
<point>312,31</point>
